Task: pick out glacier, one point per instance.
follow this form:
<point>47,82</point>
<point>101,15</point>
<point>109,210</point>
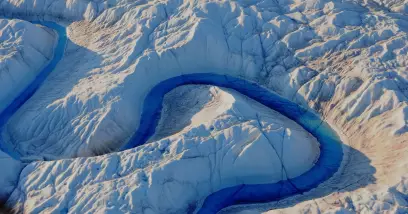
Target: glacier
<point>25,49</point>
<point>173,174</point>
<point>343,60</point>
<point>291,170</point>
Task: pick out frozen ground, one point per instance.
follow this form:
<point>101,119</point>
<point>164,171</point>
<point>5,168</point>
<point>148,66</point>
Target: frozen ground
<point>344,59</point>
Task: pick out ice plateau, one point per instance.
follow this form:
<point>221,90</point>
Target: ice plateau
<point>345,60</point>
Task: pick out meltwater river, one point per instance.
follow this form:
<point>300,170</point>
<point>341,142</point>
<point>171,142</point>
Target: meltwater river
<point>331,150</point>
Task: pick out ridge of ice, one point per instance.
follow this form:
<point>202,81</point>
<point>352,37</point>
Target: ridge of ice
<point>173,174</point>
<point>352,71</point>
<point>24,50</point>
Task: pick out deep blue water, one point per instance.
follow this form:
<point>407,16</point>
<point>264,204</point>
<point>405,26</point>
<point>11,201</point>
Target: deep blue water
<point>331,152</point>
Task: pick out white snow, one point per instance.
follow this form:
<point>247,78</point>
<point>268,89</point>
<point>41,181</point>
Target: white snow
<point>347,60</point>
<point>231,140</point>
<point>24,50</point>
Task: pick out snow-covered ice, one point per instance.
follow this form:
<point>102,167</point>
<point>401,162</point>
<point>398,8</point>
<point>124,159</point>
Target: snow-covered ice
<point>346,60</point>
<point>24,49</point>
<point>230,140</point>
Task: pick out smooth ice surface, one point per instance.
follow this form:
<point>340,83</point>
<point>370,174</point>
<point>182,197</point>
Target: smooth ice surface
<point>10,171</point>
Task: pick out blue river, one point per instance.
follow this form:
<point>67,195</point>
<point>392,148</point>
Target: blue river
<point>59,50</point>
<point>331,152</point>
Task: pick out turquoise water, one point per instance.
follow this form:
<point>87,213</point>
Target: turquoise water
<point>331,152</point>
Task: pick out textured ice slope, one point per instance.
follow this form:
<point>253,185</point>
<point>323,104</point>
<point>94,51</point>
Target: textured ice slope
<point>345,59</point>
<point>280,45</point>
<point>221,139</point>
<point>24,50</point>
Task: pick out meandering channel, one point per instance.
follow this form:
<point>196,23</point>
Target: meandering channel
<point>331,151</point>
<point>28,92</point>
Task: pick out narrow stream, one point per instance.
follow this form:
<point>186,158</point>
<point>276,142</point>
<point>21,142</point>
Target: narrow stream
<point>28,92</point>
<point>331,152</point>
